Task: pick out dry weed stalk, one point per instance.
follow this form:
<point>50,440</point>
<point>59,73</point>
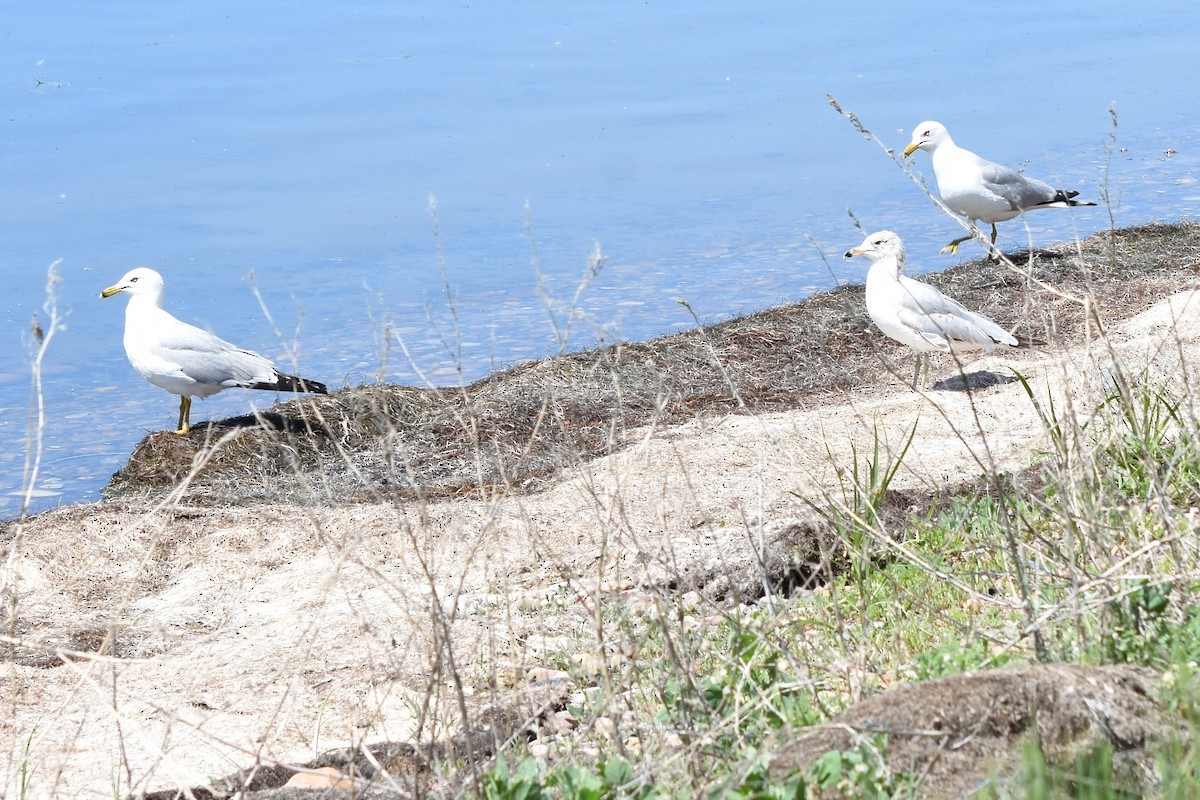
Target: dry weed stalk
<point>42,336</point>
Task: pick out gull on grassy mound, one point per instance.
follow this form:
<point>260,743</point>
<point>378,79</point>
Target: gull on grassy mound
<point>186,360</point>
<point>917,314</point>
<point>979,189</point>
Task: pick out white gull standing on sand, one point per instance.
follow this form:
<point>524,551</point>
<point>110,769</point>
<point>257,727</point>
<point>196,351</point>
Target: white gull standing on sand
<point>917,314</point>
<point>186,360</point>
<point>979,189</point>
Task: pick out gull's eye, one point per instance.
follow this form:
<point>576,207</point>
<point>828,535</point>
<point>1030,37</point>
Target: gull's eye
<point>133,280</point>
<point>879,241</point>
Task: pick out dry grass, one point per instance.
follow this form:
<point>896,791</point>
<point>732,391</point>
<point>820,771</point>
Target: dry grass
<point>517,429</point>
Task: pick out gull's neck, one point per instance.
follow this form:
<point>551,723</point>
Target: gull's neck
<point>945,151</point>
<point>891,265</point>
<point>144,301</point>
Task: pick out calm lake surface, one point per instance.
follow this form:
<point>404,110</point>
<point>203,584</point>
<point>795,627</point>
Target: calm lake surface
<point>414,189</point>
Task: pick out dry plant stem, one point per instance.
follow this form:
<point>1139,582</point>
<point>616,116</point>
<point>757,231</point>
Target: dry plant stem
<point>37,417</point>
<point>455,350</point>
<point>754,539</point>
<point>720,365</point>
<point>445,663</point>
<point>468,420</point>
<point>1069,606</point>
<point>444,647</point>
<point>1011,512</point>
<point>34,448</point>
<point>1008,503</point>
<point>113,699</point>
<point>291,349</point>
<point>854,120</point>
<point>571,310</point>
<point>1105,195</point>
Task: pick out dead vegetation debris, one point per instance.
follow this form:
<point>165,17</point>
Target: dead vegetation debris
<point>400,769</point>
<point>516,429</point>
<point>956,733</point>
<point>30,645</point>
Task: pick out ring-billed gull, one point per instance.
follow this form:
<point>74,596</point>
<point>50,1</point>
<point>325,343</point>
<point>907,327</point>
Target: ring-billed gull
<point>186,360</point>
<point>917,314</point>
<point>980,189</point>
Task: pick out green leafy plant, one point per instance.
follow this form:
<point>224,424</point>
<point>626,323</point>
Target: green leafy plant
<point>525,782</point>
<point>1145,630</point>
<point>1090,776</point>
<point>951,657</point>
<point>611,779</point>
<point>757,783</point>
<point>750,692</point>
<point>1153,451</point>
<point>861,772</point>
<point>863,488</point>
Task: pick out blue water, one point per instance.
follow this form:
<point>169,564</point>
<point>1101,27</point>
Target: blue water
<point>439,174</point>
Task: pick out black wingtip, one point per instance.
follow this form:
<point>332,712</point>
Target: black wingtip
<point>1065,196</point>
<point>312,386</point>
<point>290,383</point>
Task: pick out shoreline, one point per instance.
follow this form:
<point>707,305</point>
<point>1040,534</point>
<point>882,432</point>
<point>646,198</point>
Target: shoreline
<point>516,429</point>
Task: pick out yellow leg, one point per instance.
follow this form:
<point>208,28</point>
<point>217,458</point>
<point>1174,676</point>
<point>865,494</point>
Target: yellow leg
<point>992,256</point>
<point>922,361</point>
<point>952,248</point>
<point>185,414</point>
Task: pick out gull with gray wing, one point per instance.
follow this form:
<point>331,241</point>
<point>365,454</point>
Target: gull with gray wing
<point>186,360</point>
<point>979,189</point>
<point>917,314</point>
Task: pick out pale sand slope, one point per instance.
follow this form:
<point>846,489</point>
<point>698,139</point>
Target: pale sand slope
<point>272,633</point>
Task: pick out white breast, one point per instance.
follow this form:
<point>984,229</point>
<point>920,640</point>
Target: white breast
<point>964,188</point>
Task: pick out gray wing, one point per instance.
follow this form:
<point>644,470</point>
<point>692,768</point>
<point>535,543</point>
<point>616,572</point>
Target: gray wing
<point>1020,191</point>
<point>942,320</point>
<point>210,360</point>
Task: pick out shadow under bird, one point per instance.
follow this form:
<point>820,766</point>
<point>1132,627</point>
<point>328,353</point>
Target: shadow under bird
<point>919,315</point>
<point>186,360</point>
<point>979,189</point>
